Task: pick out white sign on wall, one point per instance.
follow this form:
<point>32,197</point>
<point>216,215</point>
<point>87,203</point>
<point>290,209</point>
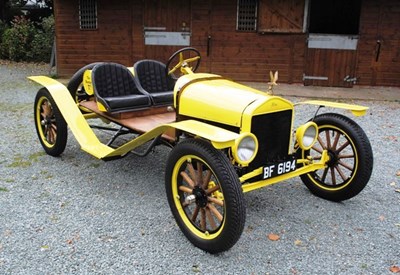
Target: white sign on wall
<point>163,38</point>
<point>336,42</point>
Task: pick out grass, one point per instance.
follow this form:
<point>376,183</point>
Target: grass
<point>3,189</point>
<point>20,161</point>
<point>34,157</point>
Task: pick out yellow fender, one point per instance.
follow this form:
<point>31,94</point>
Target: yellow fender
<point>219,137</point>
<point>357,110</point>
<point>73,116</point>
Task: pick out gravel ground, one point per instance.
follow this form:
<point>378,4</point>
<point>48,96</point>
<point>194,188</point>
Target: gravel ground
<point>78,215</point>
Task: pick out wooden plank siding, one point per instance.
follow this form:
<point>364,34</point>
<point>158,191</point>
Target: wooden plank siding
<point>380,21</point>
<point>279,42</point>
<point>333,64</point>
<point>250,56</point>
<point>165,14</point>
<point>137,31</point>
<point>281,16</point>
<point>112,40</point>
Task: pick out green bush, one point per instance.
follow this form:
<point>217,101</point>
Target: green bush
<point>26,41</point>
<point>43,41</point>
<point>16,40</point>
<point>3,28</point>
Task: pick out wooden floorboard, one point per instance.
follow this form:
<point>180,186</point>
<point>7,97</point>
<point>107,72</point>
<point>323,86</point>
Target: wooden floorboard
<point>140,121</point>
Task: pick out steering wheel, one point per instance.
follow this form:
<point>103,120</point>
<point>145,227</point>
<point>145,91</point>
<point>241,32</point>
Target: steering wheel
<point>183,63</point>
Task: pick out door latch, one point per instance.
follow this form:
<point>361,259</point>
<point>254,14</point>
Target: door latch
<point>350,79</point>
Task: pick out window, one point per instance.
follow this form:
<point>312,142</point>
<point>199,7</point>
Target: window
<point>88,14</point>
<point>246,15</point>
<point>335,16</point>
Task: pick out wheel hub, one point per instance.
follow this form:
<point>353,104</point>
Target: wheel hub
<point>333,158</point>
<point>46,121</point>
<point>201,196</point>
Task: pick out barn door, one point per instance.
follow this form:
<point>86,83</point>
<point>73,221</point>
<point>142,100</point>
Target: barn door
<point>166,28</point>
<point>381,43</point>
<point>332,43</point>
<point>331,61</point>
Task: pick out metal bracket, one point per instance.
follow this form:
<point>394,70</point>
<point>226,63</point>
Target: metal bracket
<point>347,78</point>
<point>308,77</point>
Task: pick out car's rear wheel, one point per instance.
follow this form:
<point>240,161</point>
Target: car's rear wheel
<point>76,89</point>
<point>205,195</point>
<point>350,158</point>
<point>51,127</point>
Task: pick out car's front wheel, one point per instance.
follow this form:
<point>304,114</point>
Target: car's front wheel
<point>350,158</point>
<point>205,195</point>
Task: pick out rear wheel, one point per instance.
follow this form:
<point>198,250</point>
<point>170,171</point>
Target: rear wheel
<point>76,89</point>
<point>51,127</point>
<point>205,195</point>
<point>351,159</point>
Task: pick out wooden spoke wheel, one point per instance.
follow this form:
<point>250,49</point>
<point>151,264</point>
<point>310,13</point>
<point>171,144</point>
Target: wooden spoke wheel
<point>205,196</point>
<point>350,158</point>
<point>50,125</point>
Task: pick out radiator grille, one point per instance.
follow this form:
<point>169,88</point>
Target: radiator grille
<point>273,132</point>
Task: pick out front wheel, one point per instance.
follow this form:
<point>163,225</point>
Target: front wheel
<point>205,195</point>
<point>350,158</point>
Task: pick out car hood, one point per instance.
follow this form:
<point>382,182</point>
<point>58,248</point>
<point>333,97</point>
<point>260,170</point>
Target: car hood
<point>213,98</point>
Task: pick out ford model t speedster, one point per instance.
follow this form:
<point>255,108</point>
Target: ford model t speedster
<point>226,138</point>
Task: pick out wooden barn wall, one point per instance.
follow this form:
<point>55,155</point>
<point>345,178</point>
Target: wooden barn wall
<point>239,55</point>
<point>137,32</point>
<point>250,56</point>
<point>379,65</point>
<point>242,56</point>
<point>110,42</point>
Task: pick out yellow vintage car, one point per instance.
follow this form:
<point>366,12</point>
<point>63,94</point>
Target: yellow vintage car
<point>226,139</point>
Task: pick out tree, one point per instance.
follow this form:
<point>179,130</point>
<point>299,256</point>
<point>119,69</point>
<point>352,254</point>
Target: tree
<point>37,9</point>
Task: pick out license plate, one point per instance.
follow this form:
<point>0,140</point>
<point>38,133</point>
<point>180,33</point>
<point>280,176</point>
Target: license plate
<point>279,168</point>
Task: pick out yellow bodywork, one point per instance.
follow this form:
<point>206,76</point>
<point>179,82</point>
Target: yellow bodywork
<point>213,98</point>
<point>88,141</point>
<point>312,166</point>
<point>203,97</point>
<point>87,82</point>
<point>357,110</point>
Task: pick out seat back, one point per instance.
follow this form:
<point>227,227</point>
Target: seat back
<point>152,76</point>
<point>112,79</point>
<point>115,88</point>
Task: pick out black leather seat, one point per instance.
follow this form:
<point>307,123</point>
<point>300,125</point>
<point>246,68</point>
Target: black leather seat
<point>151,77</point>
<point>115,88</point>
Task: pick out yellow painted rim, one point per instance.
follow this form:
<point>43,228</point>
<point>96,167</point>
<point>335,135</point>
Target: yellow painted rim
<point>342,186</point>
<point>38,121</point>
<point>175,174</point>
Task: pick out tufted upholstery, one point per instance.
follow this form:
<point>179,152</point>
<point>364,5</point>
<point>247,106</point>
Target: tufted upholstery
<point>115,88</point>
<point>151,77</point>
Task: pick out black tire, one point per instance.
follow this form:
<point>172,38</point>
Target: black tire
<point>351,158</point>
<point>210,211</point>
<point>51,127</point>
<point>76,88</point>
